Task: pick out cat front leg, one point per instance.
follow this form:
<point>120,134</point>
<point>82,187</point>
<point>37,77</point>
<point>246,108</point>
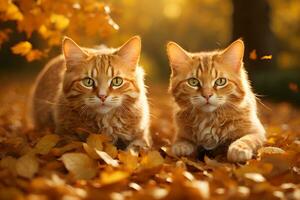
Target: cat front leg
<point>243,148</point>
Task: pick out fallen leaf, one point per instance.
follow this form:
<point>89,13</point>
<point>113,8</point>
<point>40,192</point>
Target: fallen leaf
<point>129,160</point>
<point>80,165</point>
<point>255,177</point>
<point>270,150</point>
<point>111,150</point>
<point>9,163</point>
<point>113,177</point>
<point>27,166</point>
<point>45,144</point>
<point>151,160</point>
<point>107,158</point>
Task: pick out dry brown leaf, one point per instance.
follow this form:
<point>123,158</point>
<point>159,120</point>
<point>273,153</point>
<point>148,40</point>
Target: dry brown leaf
<point>69,147</point>
<point>9,163</point>
<point>107,158</point>
<point>80,165</point>
<point>27,166</point>
<point>152,159</point>
<point>45,144</point>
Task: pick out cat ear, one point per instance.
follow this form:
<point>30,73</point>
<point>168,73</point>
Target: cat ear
<point>72,52</point>
<point>178,57</point>
<point>130,51</point>
<point>233,55</point>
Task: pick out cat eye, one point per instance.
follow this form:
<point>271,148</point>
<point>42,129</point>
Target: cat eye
<point>117,81</point>
<point>220,81</point>
<point>88,82</point>
<point>193,82</point>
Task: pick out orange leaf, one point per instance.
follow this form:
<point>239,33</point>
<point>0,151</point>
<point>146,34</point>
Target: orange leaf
<point>22,48</point>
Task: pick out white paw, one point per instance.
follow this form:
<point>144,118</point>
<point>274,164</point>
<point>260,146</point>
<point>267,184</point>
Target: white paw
<point>183,148</point>
<point>238,152</point>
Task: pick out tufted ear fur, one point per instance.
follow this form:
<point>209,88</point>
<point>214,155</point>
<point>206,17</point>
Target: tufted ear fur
<point>72,52</point>
<point>130,52</point>
<point>178,57</point>
<point>233,55</point>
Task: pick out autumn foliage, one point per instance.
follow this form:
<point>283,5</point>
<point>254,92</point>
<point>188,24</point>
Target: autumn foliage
<point>51,20</point>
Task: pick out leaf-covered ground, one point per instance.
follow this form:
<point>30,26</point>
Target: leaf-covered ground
<point>41,165</point>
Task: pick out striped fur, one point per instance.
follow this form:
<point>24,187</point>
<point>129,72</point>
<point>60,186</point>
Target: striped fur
<point>61,101</point>
<point>209,115</point>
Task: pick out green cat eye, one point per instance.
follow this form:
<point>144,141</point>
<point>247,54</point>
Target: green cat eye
<point>117,81</point>
<point>193,82</point>
<point>220,81</point>
<point>88,82</point>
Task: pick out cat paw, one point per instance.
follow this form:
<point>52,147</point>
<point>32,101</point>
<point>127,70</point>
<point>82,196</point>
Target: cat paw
<point>183,148</point>
<point>239,153</point>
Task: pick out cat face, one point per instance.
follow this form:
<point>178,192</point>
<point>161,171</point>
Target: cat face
<point>98,81</point>
<point>206,80</point>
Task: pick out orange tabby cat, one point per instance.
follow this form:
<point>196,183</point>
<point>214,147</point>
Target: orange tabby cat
<point>214,101</point>
<point>99,90</point>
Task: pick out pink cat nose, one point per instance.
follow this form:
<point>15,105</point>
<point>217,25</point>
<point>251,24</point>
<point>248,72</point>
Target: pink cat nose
<point>102,97</point>
<point>207,96</point>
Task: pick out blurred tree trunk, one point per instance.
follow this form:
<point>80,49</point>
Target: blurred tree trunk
<point>251,21</point>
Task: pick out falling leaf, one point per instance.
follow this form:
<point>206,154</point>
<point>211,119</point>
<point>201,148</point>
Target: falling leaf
<point>22,48</point>
<point>80,165</point>
<point>294,87</point>
<point>107,158</point>
<point>151,160</point>
<point>267,57</point>
<point>45,144</point>
<point>27,166</point>
<point>113,177</point>
<point>253,55</point>
<point>129,160</point>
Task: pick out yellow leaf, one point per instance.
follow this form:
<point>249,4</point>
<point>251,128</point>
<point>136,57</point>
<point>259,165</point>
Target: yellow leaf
<point>107,158</point>
<point>13,13</point>
<point>267,57</point>
<point>151,160</point>
<point>22,48</point>
<point>130,161</point>
<point>90,151</point>
<point>27,166</point>
<point>80,165</point>
<point>95,141</point>
<point>60,21</point>
<point>34,55</point>
<point>270,150</point>
<point>113,177</point>
<point>45,144</point>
